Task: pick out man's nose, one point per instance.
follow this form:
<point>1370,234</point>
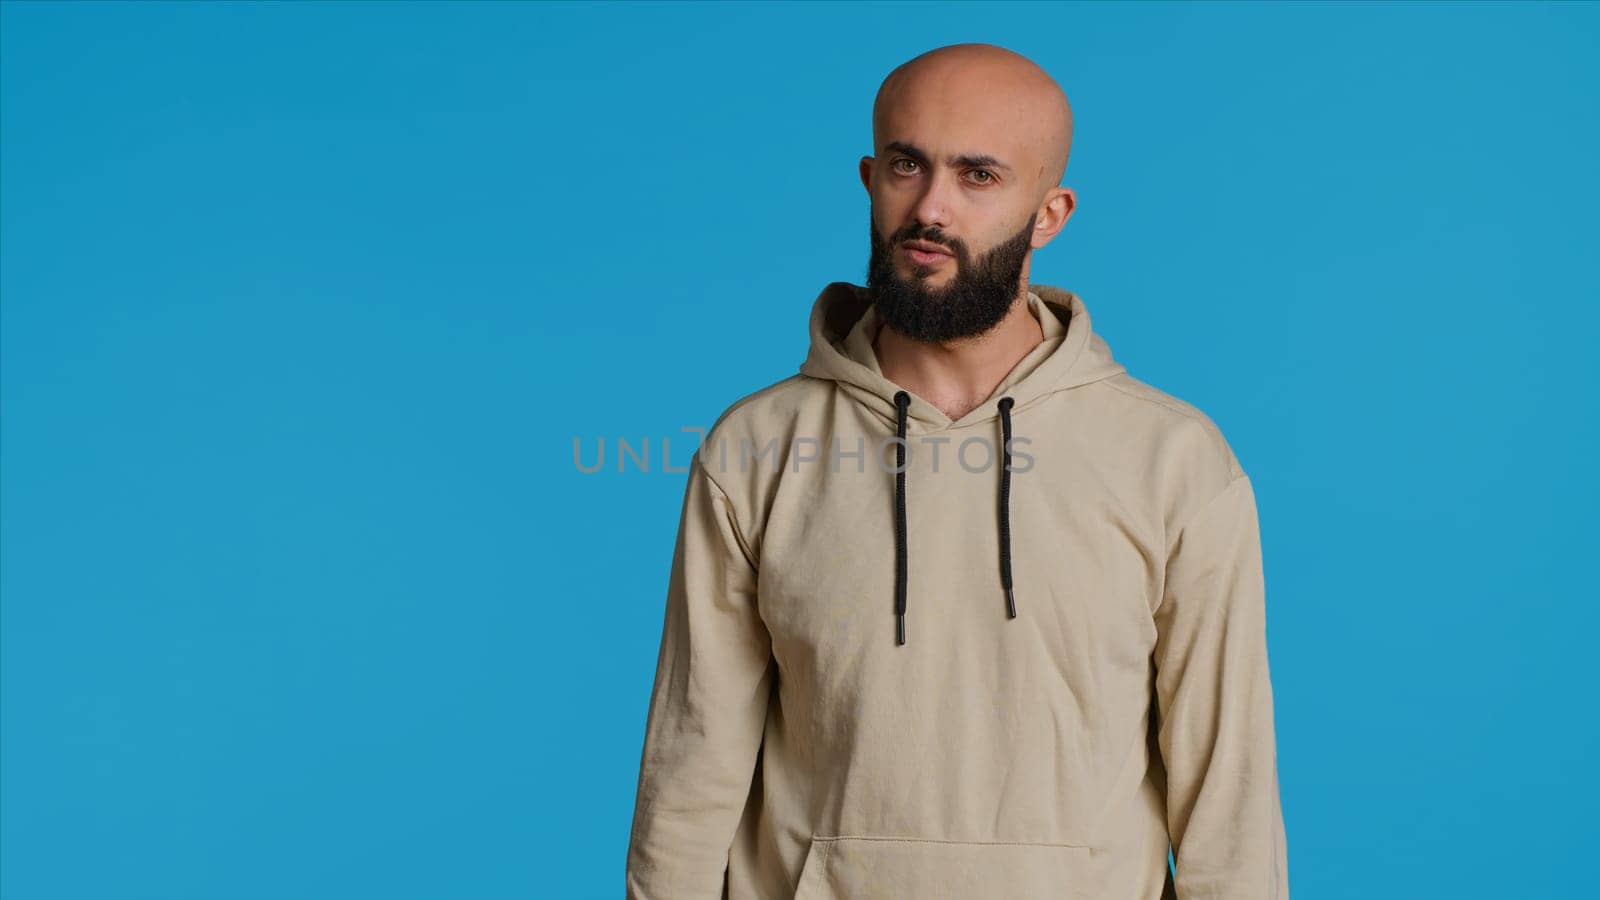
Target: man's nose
<point>932,208</point>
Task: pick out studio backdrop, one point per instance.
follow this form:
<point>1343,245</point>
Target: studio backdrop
<point>316,314</point>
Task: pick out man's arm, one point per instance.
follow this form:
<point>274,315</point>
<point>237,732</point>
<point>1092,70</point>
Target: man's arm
<point>1216,713</point>
<point>707,708</point>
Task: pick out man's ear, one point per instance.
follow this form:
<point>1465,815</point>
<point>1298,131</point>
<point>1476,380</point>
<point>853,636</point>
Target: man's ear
<point>866,173</point>
<point>1053,214</point>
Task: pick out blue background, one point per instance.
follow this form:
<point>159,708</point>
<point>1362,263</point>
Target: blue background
<point>305,304</point>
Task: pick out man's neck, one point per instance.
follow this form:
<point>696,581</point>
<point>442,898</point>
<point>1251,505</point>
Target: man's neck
<point>959,376</point>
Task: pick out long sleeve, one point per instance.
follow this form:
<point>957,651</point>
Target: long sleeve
<point>1216,729</point>
<point>707,707</point>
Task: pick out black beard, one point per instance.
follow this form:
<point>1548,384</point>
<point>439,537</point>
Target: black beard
<point>978,296</point>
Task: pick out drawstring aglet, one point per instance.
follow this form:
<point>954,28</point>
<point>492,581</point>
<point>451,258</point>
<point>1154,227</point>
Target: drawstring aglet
<point>1011,604</point>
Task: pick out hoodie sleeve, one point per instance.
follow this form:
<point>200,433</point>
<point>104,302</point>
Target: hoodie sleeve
<point>707,707</point>
<point>1216,714</point>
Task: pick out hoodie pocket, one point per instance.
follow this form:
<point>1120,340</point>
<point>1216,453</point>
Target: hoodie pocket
<point>891,868</point>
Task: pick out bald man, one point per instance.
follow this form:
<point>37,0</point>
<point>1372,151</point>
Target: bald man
<point>962,610</point>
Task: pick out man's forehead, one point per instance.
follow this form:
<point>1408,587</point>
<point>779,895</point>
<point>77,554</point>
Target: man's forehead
<point>956,142</point>
<point>946,126</point>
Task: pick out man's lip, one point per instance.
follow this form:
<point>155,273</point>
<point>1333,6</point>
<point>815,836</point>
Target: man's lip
<point>925,247</point>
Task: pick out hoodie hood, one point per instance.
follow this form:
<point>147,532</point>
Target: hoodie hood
<point>843,323</point>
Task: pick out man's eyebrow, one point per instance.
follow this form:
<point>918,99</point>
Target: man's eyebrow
<point>968,160</point>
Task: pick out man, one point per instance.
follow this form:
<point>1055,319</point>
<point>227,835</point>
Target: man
<point>962,611</point>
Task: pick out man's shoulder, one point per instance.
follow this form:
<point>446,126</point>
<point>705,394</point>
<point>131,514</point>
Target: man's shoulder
<point>766,414</point>
<point>1163,406</point>
<point>778,400</point>
<point>1170,423</point>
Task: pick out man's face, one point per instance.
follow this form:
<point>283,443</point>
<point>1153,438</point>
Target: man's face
<point>970,143</point>
<point>951,177</point>
<point>936,298</point>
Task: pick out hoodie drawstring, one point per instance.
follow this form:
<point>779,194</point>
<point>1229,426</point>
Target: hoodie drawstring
<point>902,400</point>
<point>1005,505</point>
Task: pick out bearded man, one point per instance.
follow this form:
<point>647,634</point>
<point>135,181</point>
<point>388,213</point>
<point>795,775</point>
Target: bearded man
<point>988,623</point>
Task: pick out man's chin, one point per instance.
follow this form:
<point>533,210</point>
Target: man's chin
<point>931,284</point>
<point>928,279</point>
<point>922,271</point>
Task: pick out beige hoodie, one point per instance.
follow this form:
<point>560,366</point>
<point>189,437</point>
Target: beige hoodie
<point>795,747</point>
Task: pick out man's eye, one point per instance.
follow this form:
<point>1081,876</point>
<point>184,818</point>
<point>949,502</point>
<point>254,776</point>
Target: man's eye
<point>987,175</point>
<point>896,165</point>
